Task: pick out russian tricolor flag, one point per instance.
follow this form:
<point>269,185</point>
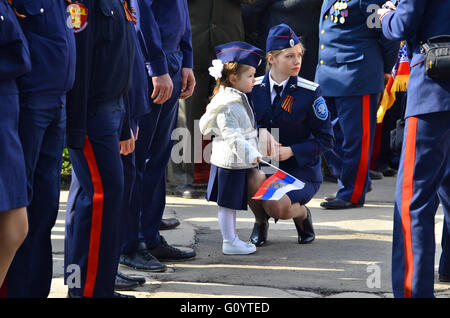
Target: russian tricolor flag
<point>277,185</point>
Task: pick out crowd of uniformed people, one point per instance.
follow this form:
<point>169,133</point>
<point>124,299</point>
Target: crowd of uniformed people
<point>111,80</point>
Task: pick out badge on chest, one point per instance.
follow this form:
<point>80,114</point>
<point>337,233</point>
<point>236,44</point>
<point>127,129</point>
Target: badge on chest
<point>339,11</point>
<point>287,103</point>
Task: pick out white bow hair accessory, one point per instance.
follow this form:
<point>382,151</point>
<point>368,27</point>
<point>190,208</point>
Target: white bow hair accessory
<point>216,69</point>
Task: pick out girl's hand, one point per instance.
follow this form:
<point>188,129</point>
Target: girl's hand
<point>258,160</point>
<point>285,153</point>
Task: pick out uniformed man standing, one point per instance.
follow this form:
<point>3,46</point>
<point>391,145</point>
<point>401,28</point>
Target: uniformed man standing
<point>167,49</point>
<point>42,127</point>
<point>424,173</point>
<point>95,128</point>
<point>210,28</point>
<point>353,58</point>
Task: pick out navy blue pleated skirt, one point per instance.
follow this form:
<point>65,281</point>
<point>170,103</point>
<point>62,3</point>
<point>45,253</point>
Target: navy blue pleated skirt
<point>228,187</point>
<point>13,179</point>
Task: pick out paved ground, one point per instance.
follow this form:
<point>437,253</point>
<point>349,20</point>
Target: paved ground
<point>349,258</point>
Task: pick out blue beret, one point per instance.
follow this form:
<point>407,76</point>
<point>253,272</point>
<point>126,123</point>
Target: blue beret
<point>240,52</point>
<point>281,37</point>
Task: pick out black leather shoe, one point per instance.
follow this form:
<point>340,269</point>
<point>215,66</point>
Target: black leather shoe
<point>444,278</point>
<point>259,233</point>
<point>333,196</point>
<point>139,280</point>
<point>165,252</point>
<point>338,204</point>
<point>71,295</point>
<point>305,230</point>
<point>117,295</point>
<point>142,260</point>
<point>188,191</point>
<point>168,224</point>
<point>386,171</point>
<point>375,175</point>
<point>124,284</point>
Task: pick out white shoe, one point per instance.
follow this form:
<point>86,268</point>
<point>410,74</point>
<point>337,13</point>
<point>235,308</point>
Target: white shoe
<point>237,247</point>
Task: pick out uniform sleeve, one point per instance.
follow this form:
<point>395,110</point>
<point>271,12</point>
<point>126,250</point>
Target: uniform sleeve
<point>318,119</point>
<point>389,47</point>
<point>404,22</point>
<point>14,52</point>
<point>186,44</point>
<point>228,125</point>
<point>156,58</point>
<point>77,98</point>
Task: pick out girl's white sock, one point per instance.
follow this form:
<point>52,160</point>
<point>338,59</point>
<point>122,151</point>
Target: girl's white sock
<point>227,223</point>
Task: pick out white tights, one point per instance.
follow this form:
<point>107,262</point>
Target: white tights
<point>227,223</point>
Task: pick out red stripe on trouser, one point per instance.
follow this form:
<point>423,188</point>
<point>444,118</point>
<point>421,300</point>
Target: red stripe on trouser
<point>409,155</point>
<point>96,221</point>
<point>364,158</point>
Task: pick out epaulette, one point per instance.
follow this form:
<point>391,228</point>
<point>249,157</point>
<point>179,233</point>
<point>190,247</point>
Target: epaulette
<point>301,82</point>
<point>258,80</point>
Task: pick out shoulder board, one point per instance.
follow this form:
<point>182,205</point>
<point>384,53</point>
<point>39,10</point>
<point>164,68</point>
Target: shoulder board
<point>301,82</point>
<point>258,80</point>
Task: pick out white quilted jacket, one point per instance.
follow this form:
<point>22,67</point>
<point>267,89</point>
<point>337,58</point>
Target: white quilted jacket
<point>230,119</point>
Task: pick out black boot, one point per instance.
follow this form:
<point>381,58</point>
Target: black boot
<point>305,230</point>
<point>259,233</point>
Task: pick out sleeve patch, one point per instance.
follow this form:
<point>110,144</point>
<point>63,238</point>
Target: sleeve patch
<point>320,108</point>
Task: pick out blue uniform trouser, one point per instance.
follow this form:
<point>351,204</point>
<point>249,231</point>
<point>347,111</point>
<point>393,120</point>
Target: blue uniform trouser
<point>354,132</point>
<point>130,198</point>
<point>94,221</point>
<point>423,181</point>
<point>444,262</point>
<point>153,149</point>
<point>42,134</point>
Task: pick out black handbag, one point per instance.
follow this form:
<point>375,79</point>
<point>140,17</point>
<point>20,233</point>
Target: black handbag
<point>396,137</point>
<point>437,57</point>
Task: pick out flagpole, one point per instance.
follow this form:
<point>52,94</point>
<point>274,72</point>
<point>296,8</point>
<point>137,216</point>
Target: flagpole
<point>276,168</point>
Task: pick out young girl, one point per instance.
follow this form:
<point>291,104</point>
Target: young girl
<point>229,117</point>
<point>294,108</point>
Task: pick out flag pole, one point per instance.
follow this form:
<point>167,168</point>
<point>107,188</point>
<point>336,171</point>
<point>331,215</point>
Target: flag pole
<point>276,168</point>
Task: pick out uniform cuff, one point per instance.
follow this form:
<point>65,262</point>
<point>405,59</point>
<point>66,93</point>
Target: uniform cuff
<point>157,68</point>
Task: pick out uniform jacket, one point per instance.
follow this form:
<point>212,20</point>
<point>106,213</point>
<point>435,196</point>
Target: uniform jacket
<point>417,21</point>
<point>214,22</point>
<point>52,47</point>
<point>303,122</point>
<point>301,15</point>
<point>14,53</point>
<point>165,28</point>
<point>100,75</point>
<point>229,117</point>
<point>353,56</point>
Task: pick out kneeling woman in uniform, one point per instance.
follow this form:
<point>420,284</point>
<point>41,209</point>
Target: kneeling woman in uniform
<point>293,109</point>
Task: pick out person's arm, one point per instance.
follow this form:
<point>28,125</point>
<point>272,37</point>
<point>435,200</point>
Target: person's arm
<point>77,97</point>
<point>403,22</point>
<point>187,74</point>
<point>309,151</point>
<point>156,61</point>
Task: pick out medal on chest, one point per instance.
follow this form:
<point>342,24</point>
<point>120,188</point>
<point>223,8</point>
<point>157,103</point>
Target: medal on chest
<point>339,11</point>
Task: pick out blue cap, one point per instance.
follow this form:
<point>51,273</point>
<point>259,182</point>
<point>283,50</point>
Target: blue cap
<point>281,37</point>
<point>240,52</point>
